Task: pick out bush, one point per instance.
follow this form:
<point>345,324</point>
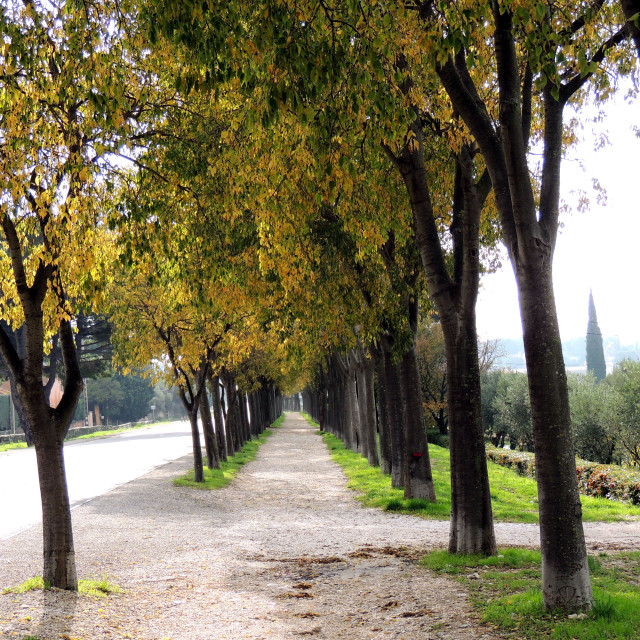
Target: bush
<point>592,418</point>
<point>435,437</point>
<point>605,481</point>
<point>521,462</point>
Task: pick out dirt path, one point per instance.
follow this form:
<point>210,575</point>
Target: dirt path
<point>284,552</point>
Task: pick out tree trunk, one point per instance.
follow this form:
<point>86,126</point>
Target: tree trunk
<point>417,464</point>
<point>198,470</point>
<point>471,528</point>
<point>18,407</point>
<point>383,417</point>
<point>351,402</point>
<point>361,391</point>
<point>455,296</point>
<point>530,230</point>
<point>210,440</point>
<point>395,415</point>
<point>369,410</point>
<point>565,572</point>
<point>57,533</point>
<point>214,387</point>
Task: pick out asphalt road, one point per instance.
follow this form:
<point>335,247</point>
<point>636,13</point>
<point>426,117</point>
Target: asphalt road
<point>94,466</point>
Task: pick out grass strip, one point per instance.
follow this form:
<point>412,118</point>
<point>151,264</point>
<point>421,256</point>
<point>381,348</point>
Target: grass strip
<point>95,588</point>
<point>505,589</point>
<point>111,432</point>
<point>86,436</point>
<point>219,478</point>
<point>514,498</point>
<point>12,445</point>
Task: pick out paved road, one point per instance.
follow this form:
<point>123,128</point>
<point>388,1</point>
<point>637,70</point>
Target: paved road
<point>94,466</point>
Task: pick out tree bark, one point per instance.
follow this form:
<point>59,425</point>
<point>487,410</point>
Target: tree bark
<point>471,514</point>
<point>395,415</point>
<point>210,440</point>
<point>366,386</point>
<point>383,418</point>
<point>565,571</point>
<point>418,478</point>
<point>57,532</point>
<point>198,468</point>
<point>214,387</point>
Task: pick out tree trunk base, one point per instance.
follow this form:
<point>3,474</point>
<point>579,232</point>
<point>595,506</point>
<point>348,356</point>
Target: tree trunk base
<point>571,593</point>
<point>420,489</point>
<point>60,570</point>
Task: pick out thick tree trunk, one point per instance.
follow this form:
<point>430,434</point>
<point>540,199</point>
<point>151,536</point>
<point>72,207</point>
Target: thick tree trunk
<point>361,390</point>
<point>228,427</point>
<point>210,440</point>
<point>352,437</point>
<point>57,534</point>
<point>383,416</point>
<point>214,387</point>
<point>417,465</point>
<point>471,528</point>
<point>369,410</point>
<point>198,470</point>
<point>565,572</point>
<point>395,416</point>
<point>530,230</point>
<point>244,418</point>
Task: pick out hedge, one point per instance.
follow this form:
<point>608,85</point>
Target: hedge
<point>601,480</point>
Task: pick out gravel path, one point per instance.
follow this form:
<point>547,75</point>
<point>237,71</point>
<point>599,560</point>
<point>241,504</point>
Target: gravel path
<point>284,552</point>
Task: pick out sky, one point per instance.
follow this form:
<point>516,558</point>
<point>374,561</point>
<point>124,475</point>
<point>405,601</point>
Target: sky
<point>598,248</point>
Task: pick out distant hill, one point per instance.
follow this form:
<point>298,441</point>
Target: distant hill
<point>574,351</point>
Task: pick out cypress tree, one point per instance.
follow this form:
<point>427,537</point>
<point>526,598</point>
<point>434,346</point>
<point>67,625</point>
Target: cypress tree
<point>595,349</point>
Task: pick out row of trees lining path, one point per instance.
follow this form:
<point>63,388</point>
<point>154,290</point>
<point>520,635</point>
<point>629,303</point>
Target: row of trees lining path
<point>277,199</point>
<point>216,565</point>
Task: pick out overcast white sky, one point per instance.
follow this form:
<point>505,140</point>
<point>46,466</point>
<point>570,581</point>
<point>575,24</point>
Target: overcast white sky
<point>597,249</point>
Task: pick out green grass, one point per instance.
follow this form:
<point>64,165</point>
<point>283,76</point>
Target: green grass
<point>514,498</point>
<point>96,588</point>
<point>12,445</point>
<point>31,584</point>
<point>219,478</point>
<point>110,432</point>
<point>86,436</point>
<point>505,589</point>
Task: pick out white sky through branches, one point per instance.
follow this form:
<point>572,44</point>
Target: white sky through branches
<point>598,248</point>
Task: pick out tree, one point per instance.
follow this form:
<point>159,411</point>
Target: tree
<point>556,51</point>
<point>595,349</point>
<point>624,392</point>
<point>512,410</point>
<point>593,418</point>
<point>63,108</point>
<point>121,398</point>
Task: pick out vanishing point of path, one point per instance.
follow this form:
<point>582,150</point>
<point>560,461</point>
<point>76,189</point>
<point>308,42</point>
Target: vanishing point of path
<point>284,552</point>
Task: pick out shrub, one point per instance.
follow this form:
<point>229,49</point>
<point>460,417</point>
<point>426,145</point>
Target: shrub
<point>605,481</point>
<point>439,439</point>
